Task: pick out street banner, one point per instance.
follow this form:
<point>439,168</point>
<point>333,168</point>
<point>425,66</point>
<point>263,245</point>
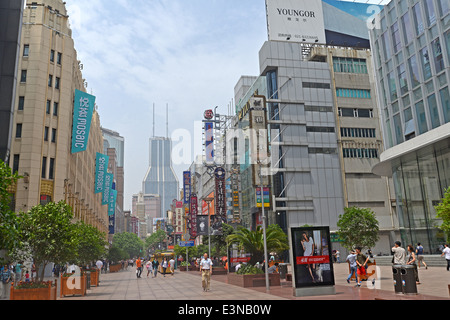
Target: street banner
<point>186,186</point>
<point>193,213</point>
<point>112,202</point>
<point>266,196</point>
<point>101,168</point>
<point>209,142</point>
<point>83,110</point>
<point>202,225</point>
<point>107,187</point>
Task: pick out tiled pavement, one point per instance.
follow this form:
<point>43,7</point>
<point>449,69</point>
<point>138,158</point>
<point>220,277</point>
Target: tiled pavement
<point>187,286</point>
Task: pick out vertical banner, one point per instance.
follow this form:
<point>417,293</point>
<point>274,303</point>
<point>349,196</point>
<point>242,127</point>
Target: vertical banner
<point>202,225</point>
<point>83,110</point>
<point>209,142</point>
<point>220,202</point>
<point>107,187</point>
<point>101,167</point>
<point>186,186</point>
<point>311,248</point>
<point>193,213</point>
<point>112,224</point>
<point>265,196</point>
<point>112,202</point>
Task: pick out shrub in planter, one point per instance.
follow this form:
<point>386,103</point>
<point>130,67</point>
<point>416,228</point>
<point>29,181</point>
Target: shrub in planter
<point>249,269</point>
<point>33,291</point>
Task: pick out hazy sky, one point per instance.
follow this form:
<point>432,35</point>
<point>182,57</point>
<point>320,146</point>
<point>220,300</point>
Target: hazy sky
<point>187,54</point>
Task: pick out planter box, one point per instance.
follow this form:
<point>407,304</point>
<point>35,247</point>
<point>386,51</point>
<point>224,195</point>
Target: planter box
<point>253,280</point>
<point>115,268</point>
<point>47,294</point>
<point>80,286</point>
<point>95,277</point>
<point>219,270</point>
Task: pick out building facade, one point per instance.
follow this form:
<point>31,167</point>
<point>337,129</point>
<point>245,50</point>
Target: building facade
<point>412,59</point>
<point>41,145</point>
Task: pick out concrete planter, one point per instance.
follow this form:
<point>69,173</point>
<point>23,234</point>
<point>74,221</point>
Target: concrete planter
<point>253,280</point>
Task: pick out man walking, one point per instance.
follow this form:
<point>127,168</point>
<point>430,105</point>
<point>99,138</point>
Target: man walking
<point>399,253</point>
<point>99,265</point>
<point>351,259</point>
<point>446,252</point>
<point>419,255</point>
<point>138,267</point>
<point>206,271</point>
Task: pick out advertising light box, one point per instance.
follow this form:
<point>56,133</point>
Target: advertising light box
<point>312,264</point>
<point>296,21</point>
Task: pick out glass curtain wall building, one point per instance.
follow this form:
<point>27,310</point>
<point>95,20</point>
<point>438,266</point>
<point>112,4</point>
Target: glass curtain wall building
<point>412,58</point>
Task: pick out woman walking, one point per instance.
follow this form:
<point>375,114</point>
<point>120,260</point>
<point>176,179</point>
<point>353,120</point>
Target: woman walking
<point>412,260</point>
<point>164,266</point>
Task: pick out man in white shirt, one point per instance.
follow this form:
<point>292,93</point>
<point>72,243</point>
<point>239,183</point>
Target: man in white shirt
<point>446,252</point>
<point>99,265</point>
<point>206,271</point>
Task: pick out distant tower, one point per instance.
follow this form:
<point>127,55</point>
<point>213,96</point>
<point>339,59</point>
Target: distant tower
<point>160,177</point>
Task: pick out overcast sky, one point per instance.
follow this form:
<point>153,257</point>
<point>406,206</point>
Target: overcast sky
<point>187,54</point>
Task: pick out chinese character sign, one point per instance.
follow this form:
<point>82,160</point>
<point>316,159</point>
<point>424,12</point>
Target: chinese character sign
<point>193,213</point>
<point>82,116</point>
<point>186,186</point>
<point>101,167</point>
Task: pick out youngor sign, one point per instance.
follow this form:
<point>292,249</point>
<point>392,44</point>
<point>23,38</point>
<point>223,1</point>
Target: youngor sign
<point>83,110</point>
<point>296,21</point>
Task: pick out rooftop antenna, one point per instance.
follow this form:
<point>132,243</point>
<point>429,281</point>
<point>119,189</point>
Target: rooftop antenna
<point>153,120</point>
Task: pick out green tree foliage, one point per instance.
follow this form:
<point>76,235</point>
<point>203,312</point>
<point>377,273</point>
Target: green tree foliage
<point>219,242</point>
<point>253,241</point>
<point>8,221</point>
<point>129,243</point>
<point>358,227</point>
<point>48,235</point>
<point>92,243</point>
<point>443,212</point>
<point>152,242</point>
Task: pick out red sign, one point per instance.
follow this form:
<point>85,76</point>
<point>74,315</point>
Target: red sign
<point>240,259</point>
<point>209,114</point>
<point>313,260</point>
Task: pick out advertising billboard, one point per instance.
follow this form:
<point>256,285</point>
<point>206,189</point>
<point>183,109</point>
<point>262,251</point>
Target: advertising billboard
<point>312,264</point>
<point>101,168</point>
<point>296,21</point>
<point>83,110</point>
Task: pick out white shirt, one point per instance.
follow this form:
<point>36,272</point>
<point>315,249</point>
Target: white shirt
<point>206,263</point>
<point>446,251</point>
<point>99,264</point>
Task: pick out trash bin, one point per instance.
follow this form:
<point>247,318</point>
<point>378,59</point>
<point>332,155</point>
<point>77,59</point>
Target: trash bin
<point>408,279</point>
<point>396,271</point>
<point>282,269</point>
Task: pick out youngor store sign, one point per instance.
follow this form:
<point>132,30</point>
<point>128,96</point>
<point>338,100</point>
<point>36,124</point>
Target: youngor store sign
<point>296,21</point>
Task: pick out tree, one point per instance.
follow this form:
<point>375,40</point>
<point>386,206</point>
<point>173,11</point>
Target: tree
<point>128,242</point>
<point>155,239</point>
<point>253,241</point>
<point>48,235</point>
<point>219,242</point>
<point>8,219</point>
<point>443,212</point>
<point>358,227</point>
<point>91,243</point>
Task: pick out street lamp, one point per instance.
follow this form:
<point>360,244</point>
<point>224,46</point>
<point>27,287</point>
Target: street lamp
<point>208,201</point>
<point>264,228</point>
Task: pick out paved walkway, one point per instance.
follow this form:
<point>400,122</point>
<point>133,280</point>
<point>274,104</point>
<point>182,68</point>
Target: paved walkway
<point>187,286</point>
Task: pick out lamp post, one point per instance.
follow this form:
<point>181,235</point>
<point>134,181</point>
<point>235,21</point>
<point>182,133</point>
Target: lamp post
<point>208,201</point>
<point>264,228</point>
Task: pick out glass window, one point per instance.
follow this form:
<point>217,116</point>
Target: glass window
<point>402,79</point>
<point>386,46</point>
<point>444,7</point>
<point>396,42</point>
<point>414,71</point>
<point>437,55</point>
<point>47,108</point>
<point>50,80</point>
<point>418,19</point>
<point>434,113</point>
<point>54,135</point>
<point>52,55</point>
<point>21,103</point>
<point>447,44</point>
<point>430,12</point>
<point>392,86</point>
<point>46,129</point>
<point>19,130</point>
<point>426,65</point>
<point>55,108</point>
<point>51,170</point>
<point>26,50</point>
<point>445,100</point>
<point>16,163</point>
<point>44,168</point>
<point>408,32</point>
<point>421,117</point>
<point>59,58</point>
<point>23,76</point>
<point>398,129</point>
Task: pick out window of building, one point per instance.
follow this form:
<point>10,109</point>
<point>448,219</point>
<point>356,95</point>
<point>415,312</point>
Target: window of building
<point>16,162</point>
<point>418,19</point>
<point>50,80</point>
<point>55,108</point>
<point>57,82</point>
<point>52,55</point>
<point>421,117</point>
<point>353,93</point>
<point>320,129</point>
<point>396,42</point>
<point>361,153</point>
<point>385,43</point>
<point>408,31</point>
<point>430,12</point>
<point>48,106</point>
<point>414,71</point>
<point>318,109</point>
<point>322,151</point>
<point>445,100</point>
<point>447,43</point>
<point>350,65</point>
<point>44,168</point>
<point>19,130</point>
<point>426,65</point>
<point>358,133</point>
<point>402,79</point>
<point>51,169</point>
<point>438,56</point>
<point>23,76</point>
<point>398,129</point>
<point>434,113</point>
<point>21,103</point>
<point>46,130</point>
<point>392,86</point>
<point>59,58</point>
<point>26,50</point>
<point>444,7</point>
<point>53,135</point>
<point>316,85</point>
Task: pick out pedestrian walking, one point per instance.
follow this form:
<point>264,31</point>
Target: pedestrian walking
<point>412,260</point>
<point>446,253</point>
<point>5,278</point>
<point>138,267</point>
<point>351,259</point>
<point>149,267</point>
<point>164,266</point>
<point>399,253</point>
<point>361,262</point>
<point>18,271</point>
<point>172,266</point>
<point>338,256</point>
<point>206,272</point>
<point>419,256</point>
<point>155,265</point>
<point>99,265</point>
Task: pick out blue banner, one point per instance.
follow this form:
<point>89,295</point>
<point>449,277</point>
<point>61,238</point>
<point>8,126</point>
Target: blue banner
<point>107,187</point>
<point>101,168</point>
<point>112,202</point>
<point>83,109</point>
